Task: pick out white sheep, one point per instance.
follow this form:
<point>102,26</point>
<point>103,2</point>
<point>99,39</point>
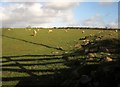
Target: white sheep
<point>50,31</point>
<point>38,29</point>
<point>83,31</point>
<point>66,30</point>
<point>116,30</point>
<point>34,32</point>
<point>9,29</point>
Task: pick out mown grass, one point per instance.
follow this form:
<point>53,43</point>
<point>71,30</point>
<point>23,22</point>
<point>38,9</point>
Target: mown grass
<point>25,56</point>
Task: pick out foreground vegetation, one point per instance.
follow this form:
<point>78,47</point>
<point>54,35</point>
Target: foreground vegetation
<point>71,58</point>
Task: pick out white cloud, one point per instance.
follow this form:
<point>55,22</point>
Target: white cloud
<point>113,24</point>
<point>46,0</point>
<point>46,14</point>
<point>23,14</point>
<point>59,0</point>
<point>61,5</point>
<point>98,21</point>
<point>94,21</point>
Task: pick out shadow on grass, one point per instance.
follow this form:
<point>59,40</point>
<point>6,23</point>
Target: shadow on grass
<point>33,79</point>
<point>33,43</point>
<point>94,65</point>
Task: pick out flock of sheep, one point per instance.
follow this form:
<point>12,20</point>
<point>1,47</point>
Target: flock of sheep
<point>77,45</point>
<point>35,31</point>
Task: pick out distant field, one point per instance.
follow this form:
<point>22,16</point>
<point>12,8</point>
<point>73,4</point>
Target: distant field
<point>25,55</point>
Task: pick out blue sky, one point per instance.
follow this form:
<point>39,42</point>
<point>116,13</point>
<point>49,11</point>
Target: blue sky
<point>91,14</point>
<point>88,9</point>
<point>108,12</point>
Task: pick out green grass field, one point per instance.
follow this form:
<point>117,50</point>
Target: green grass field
<point>25,56</point>
<point>58,38</point>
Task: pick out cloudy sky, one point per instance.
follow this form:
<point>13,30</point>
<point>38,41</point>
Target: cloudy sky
<point>55,13</point>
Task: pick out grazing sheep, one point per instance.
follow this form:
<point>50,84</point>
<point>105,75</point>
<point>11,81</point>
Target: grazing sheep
<point>116,30</point>
<point>66,30</point>
<point>83,31</point>
<point>38,29</point>
<point>34,32</point>
<point>50,31</point>
<point>9,29</point>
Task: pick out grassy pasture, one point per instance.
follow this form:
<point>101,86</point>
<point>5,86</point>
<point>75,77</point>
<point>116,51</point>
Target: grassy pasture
<point>26,56</point>
<point>57,38</point>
